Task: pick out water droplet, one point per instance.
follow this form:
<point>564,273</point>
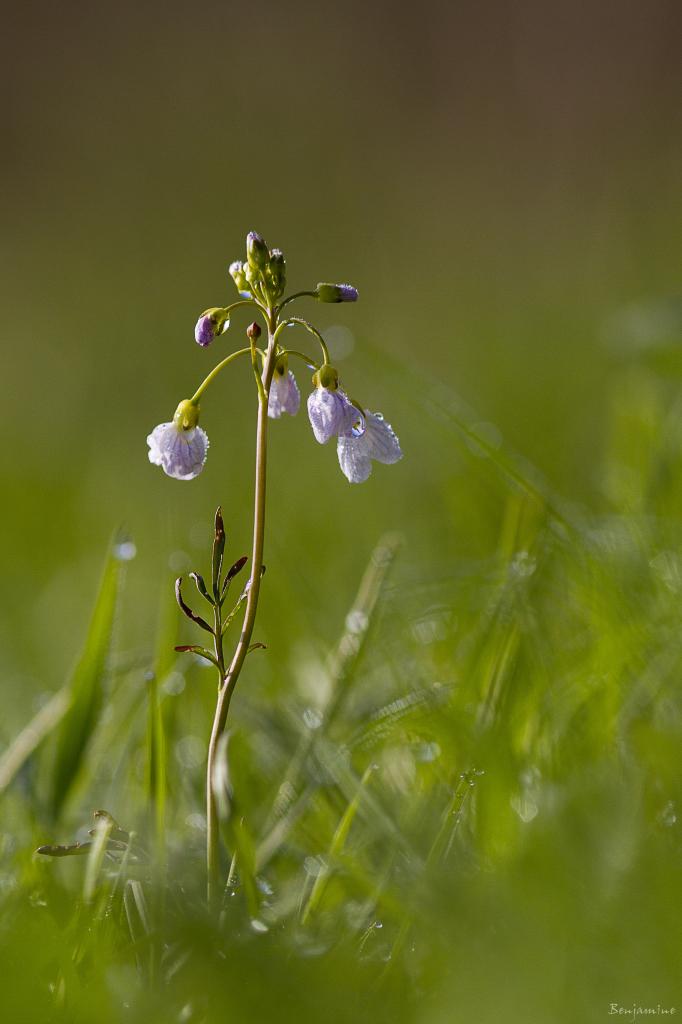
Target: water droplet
<point>259,926</point>
<point>173,684</point>
<point>197,821</point>
<point>314,866</point>
<point>523,564</point>
<point>312,718</point>
<point>125,550</point>
<point>426,752</point>
<point>525,807</point>
<point>356,621</point>
<point>178,562</point>
<point>340,341</point>
<point>189,751</point>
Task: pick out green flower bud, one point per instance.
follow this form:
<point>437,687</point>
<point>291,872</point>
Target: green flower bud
<point>336,292</point>
<point>326,377</point>
<point>186,415</point>
<point>256,250</point>
<point>238,276</point>
<point>277,277</point>
<point>253,276</point>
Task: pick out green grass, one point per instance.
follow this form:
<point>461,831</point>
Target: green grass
<point>463,808</point>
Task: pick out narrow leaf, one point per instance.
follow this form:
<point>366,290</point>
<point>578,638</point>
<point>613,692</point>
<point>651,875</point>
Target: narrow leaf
<point>195,649</point>
<point>74,850</point>
<point>233,571</point>
<point>218,549</point>
<point>186,608</point>
<point>201,586</point>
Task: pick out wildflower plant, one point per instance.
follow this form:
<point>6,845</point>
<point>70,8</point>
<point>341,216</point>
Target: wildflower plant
<point>180,448</point>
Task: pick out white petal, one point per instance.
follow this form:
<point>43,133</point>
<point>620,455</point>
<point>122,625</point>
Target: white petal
<point>180,453</point>
<point>284,396</point>
<point>354,461</point>
<point>382,443</point>
<point>330,413</point>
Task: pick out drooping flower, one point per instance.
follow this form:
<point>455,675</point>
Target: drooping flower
<point>180,446</point>
<point>284,393</point>
<point>356,451</point>
<point>331,413</point>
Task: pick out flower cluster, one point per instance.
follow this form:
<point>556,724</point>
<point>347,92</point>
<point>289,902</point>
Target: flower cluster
<point>363,437</point>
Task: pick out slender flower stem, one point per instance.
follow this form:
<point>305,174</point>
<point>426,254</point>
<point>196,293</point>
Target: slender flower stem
<point>215,371</point>
<point>297,295</point>
<point>242,302</point>
<point>229,680</point>
<point>301,355</point>
<point>292,320</point>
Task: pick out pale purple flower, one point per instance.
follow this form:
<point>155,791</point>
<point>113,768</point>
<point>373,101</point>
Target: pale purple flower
<point>284,395</point>
<point>180,453</point>
<point>331,413</point>
<point>377,442</point>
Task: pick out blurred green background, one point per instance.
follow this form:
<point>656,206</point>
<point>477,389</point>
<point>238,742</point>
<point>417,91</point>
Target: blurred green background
<point>502,183</point>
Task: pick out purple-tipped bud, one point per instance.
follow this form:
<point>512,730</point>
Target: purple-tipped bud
<point>253,331</point>
<point>256,250</point>
<point>212,322</point>
<point>336,292</point>
<point>204,332</point>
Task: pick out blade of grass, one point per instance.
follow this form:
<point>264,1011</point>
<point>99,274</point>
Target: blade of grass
<point>86,689</point>
<point>32,735</point>
<point>342,665</point>
<point>336,846</point>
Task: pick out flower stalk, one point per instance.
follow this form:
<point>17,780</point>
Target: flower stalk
<point>228,679</point>
<point>180,448</point>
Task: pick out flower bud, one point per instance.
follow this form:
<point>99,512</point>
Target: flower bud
<point>277,272</point>
<point>326,377</point>
<point>212,322</point>
<point>253,332</point>
<point>336,293</point>
<point>186,415</point>
<point>253,276</point>
<point>256,250</point>
<point>238,276</point>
